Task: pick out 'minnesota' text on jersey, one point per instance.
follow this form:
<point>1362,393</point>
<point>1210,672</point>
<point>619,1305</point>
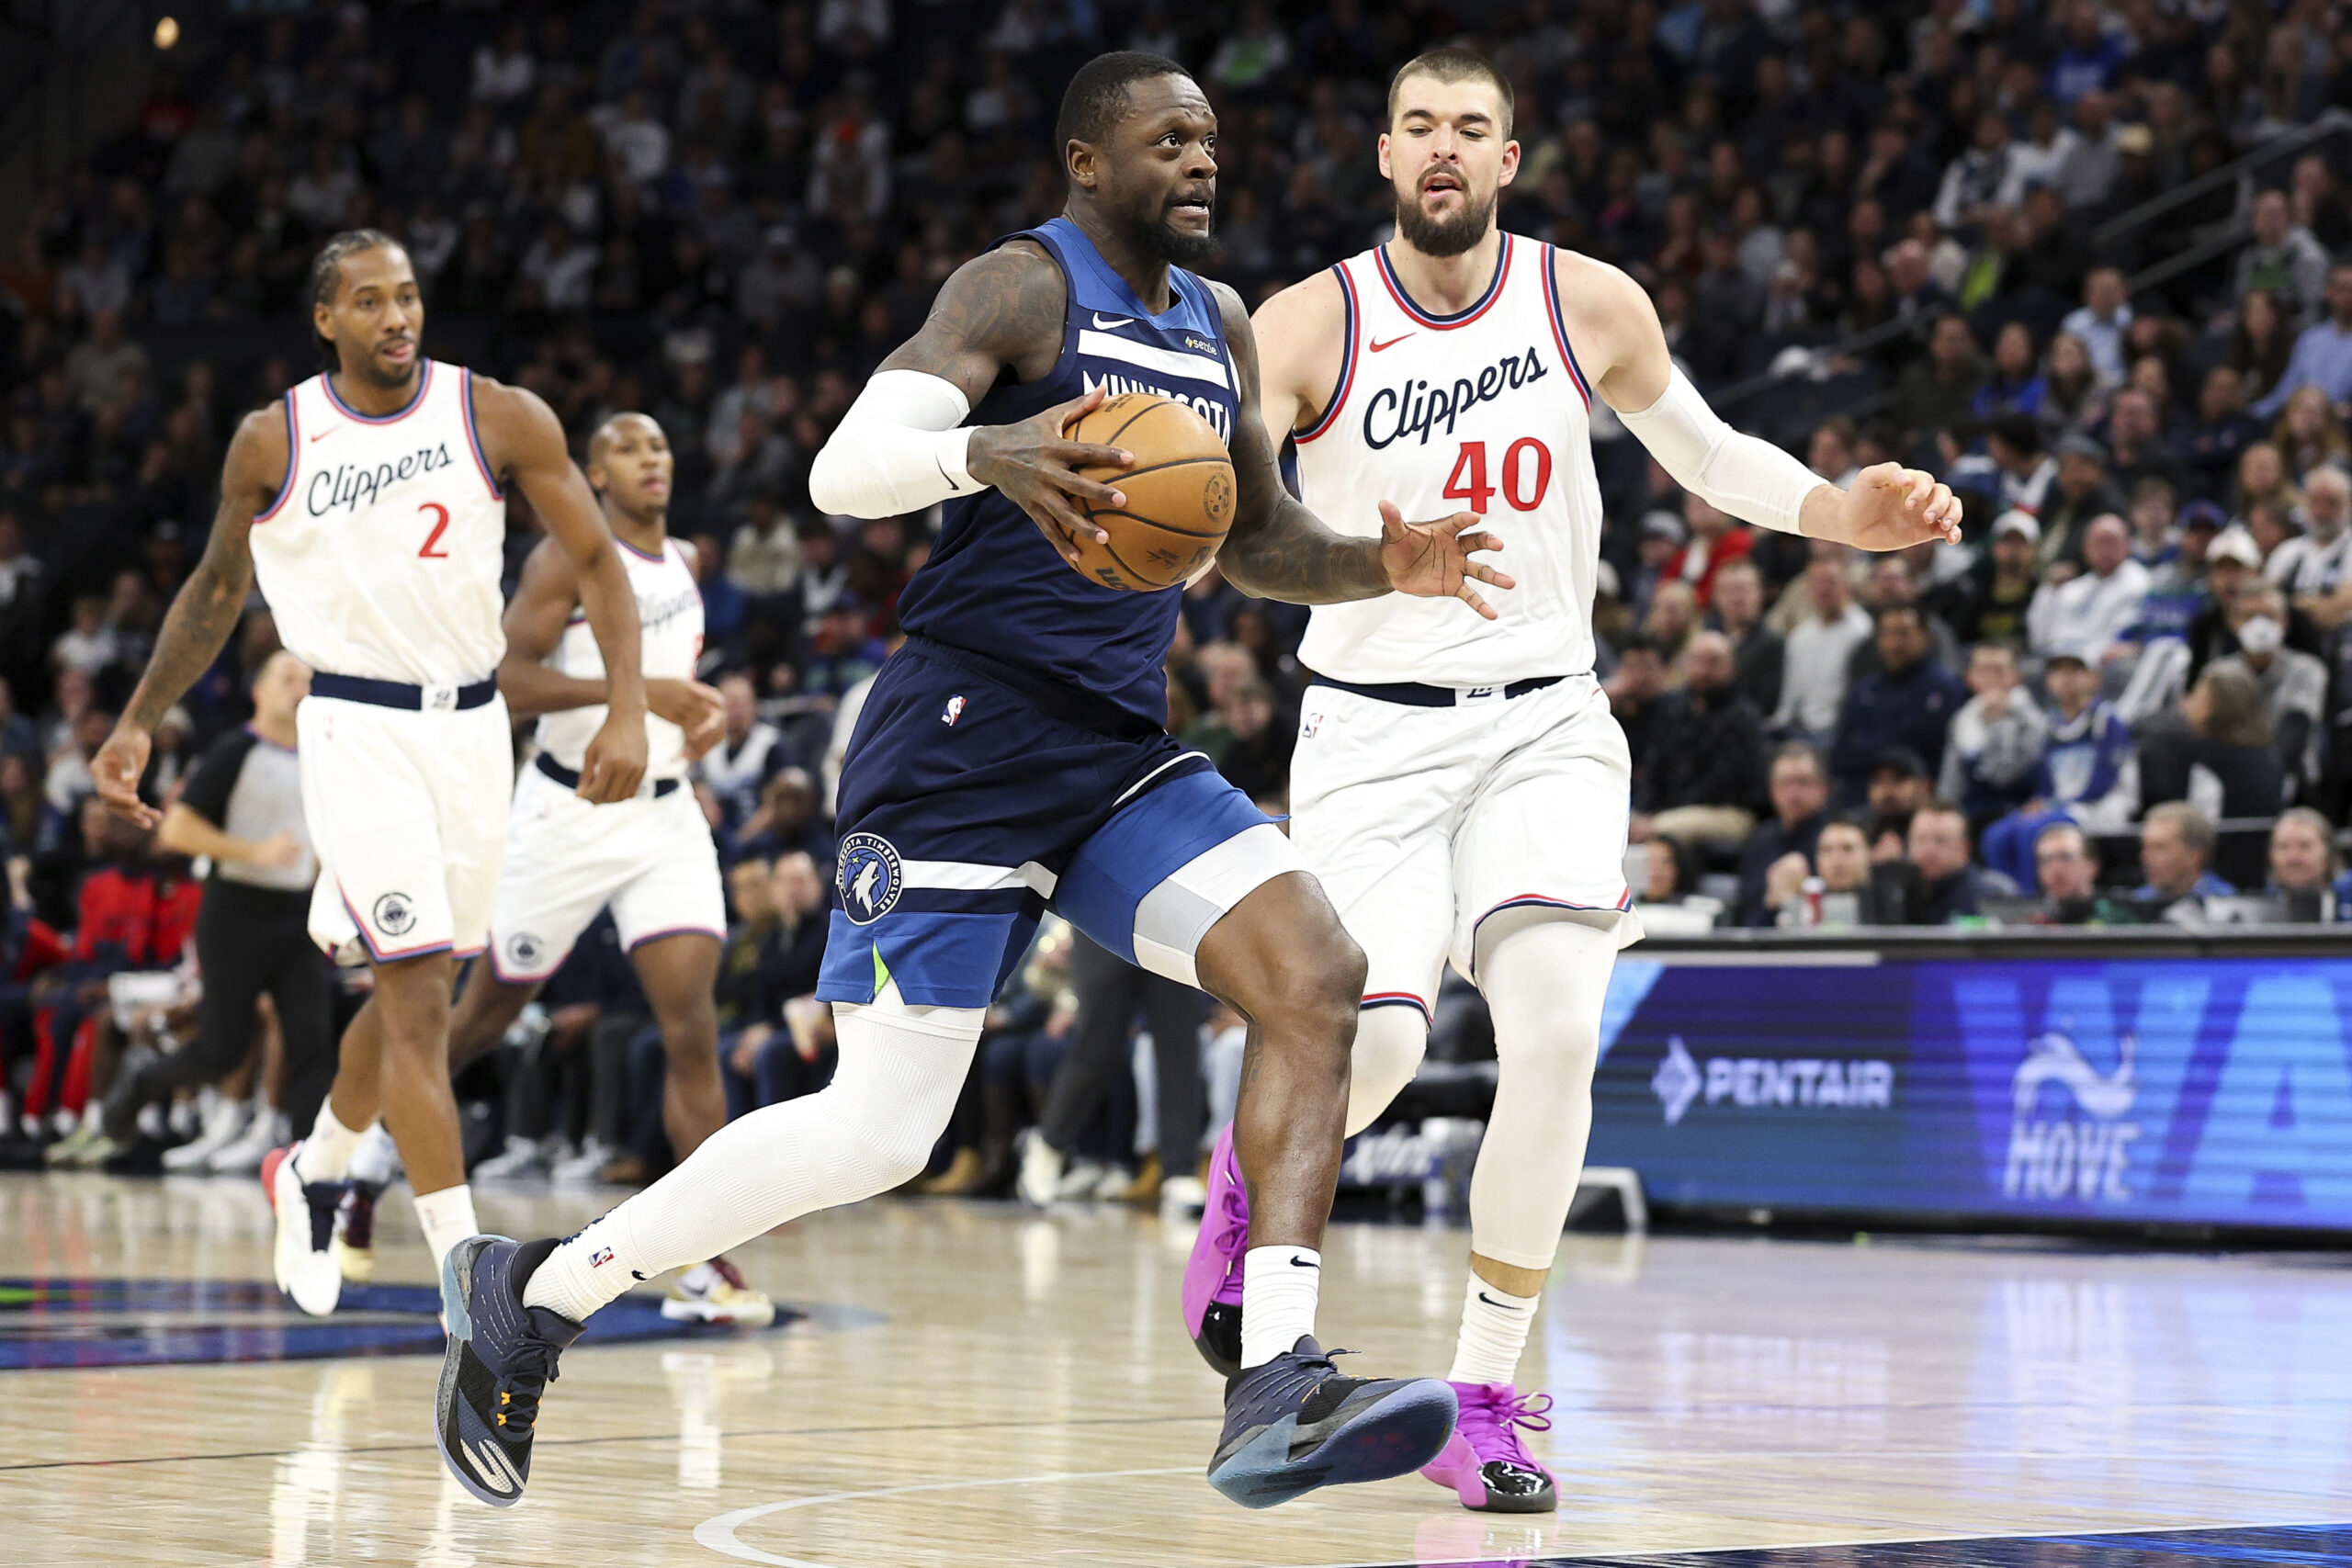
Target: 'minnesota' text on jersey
<point>1485,411</point>
<point>994,584</point>
<point>381,555</point>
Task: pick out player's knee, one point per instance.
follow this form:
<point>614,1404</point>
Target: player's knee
<point>898,1162</point>
<point>1310,988</point>
<point>690,1035</point>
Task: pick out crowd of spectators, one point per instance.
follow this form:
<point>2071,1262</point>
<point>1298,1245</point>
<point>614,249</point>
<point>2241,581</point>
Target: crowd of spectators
<point>1909,224</point>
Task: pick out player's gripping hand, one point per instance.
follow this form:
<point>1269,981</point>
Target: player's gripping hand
<point>120,763</point>
<point>1432,559</point>
<point>1891,507</point>
<point>1034,465</point>
<point>694,707</point>
<point>614,765</point>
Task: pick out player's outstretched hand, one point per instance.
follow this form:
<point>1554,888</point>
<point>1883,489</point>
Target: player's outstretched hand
<point>120,763</point>
<point>1035,465</point>
<point>694,707</point>
<point>1891,507</point>
<point>1432,559</point>
<point>614,765</point>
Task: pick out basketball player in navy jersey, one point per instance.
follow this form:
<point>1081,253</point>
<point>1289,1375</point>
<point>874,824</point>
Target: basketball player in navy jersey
<point>1014,755</point>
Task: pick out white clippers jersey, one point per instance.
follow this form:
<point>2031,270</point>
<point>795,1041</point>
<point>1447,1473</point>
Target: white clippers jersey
<point>1487,412</point>
<point>669,609</point>
<point>382,555</point>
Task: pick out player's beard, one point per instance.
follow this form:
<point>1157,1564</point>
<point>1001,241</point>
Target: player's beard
<point>1176,246</point>
<point>1446,236</point>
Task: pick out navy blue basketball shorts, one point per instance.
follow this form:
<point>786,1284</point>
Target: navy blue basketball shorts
<point>972,800</point>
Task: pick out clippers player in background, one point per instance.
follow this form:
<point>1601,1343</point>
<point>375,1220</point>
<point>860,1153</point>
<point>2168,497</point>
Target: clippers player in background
<point>370,507</point>
<point>1015,752</point>
<point>650,857</point>
<point>1460,786</point>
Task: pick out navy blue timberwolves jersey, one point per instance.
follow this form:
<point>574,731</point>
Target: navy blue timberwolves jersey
<point>993,585</point>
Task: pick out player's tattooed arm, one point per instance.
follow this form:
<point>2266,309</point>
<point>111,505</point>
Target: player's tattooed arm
<point>524,442</point>
<point>1001,310</point>
<point>203,613</point>
<point>1000,313</point>
<point>1277,550</point>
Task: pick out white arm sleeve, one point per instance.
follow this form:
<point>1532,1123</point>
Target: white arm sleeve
<point>1743,475</point>
<point>898,450</point>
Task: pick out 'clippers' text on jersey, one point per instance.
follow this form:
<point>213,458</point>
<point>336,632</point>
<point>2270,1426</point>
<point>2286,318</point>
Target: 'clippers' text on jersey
<point>1419,409</point>
<point>1483,411</point>
<point>353,487</point>
<point>381,554</point>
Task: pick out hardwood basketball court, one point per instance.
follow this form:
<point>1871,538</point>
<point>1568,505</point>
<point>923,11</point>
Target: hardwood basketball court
<point>971,1386</point>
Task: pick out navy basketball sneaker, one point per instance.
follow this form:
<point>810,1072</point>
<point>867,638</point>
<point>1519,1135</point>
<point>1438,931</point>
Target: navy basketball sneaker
<point>501,1359</point>
<point>1296,1423</point>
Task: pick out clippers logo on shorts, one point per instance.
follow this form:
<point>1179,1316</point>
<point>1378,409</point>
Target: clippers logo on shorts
<point>524,951</point>
<point>870,878</point>
<point>394,914</point>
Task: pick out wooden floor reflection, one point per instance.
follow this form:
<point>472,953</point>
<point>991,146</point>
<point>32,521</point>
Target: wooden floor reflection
<point>976,1387</point>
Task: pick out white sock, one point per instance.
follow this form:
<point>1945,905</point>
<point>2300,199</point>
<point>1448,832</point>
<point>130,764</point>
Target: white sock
<point>374,1157</point>
<point>870,1129</point>
<point>1494,1333</point>
<point>1278,1296</point>
<point>325,1155</point>
<point>447,1217</point>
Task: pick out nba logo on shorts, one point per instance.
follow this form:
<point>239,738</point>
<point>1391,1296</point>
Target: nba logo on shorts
<point>869,878</point>
<point>955,710</point>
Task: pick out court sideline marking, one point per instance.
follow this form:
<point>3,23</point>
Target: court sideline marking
<point>717,1533</point>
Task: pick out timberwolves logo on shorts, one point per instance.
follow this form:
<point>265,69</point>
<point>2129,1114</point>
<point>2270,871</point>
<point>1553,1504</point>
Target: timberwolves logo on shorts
<point>524,951</point>
<point>869,878</point>
<point>394,914</point>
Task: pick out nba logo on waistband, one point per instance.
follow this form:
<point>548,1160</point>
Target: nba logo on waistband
<point>955,710</point>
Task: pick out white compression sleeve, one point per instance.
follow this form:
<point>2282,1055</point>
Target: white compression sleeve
<point>1743,475</point>
<point>899,448</point>
<point>1544,982</point>
<point>901,1069</point>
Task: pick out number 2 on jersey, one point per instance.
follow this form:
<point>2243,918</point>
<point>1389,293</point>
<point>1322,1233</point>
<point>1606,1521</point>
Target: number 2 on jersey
<point>1523,484</point>
<point>432,549</point>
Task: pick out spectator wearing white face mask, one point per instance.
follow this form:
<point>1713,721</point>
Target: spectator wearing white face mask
<point>2293,685</point>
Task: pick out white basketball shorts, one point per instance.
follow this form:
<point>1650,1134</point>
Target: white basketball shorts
<point>650,858</point>
<point>408,811</point>
<point>1420,822</point>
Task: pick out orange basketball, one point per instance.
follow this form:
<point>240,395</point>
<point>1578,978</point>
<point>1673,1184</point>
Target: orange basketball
<point>1179,491</point>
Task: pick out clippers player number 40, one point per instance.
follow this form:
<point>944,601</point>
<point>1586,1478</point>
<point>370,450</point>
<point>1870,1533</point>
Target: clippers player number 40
<point>1459,785</point>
